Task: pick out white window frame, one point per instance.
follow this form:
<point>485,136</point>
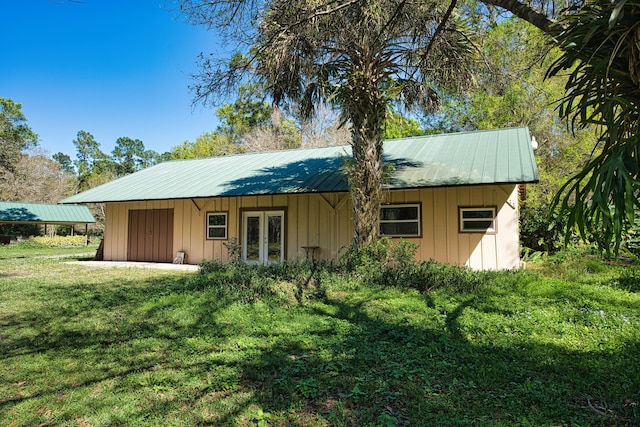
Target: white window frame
<point>464,228</point>
<point>224,227</point>
<point>417,220</point>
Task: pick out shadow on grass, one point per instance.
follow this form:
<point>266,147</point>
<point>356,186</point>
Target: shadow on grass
<point>181,355</point>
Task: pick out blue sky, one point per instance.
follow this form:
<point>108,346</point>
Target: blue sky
<point>114,68</point>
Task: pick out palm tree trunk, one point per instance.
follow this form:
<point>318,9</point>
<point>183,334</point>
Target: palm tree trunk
<point>367,113</point>
<point>276,122</point>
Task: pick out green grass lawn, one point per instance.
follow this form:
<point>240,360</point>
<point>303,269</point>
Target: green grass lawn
<point>95,347</point>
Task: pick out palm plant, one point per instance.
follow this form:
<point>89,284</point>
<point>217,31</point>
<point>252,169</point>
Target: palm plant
<point>600,40</point>
<point>362,57</point>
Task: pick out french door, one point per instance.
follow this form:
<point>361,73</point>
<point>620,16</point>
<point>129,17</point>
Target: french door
<point>263,237</point>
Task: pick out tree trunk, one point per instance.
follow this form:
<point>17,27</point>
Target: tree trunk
<point>366,188</point>
<point>527,13</point>
<point>276,122</point>
<point>367,112</point>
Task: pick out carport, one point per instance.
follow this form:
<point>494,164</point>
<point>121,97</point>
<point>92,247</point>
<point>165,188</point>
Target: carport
<point>44,214</point>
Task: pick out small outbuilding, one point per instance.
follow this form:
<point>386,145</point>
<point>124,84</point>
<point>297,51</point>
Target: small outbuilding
<point>43,214</point>
<point>455,195</point>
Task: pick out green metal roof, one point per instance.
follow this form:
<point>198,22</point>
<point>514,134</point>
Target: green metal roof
<point>17,212</point>
<point>470,158</point>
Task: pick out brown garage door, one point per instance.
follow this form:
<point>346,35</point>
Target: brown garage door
<point>150,235</point>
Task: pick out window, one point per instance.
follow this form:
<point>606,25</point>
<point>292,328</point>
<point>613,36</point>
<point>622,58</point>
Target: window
<point>478,220</point>
<point>217,225</point>
<point>400,220</point>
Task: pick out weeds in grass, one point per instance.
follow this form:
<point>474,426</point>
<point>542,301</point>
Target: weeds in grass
<point>316,344</point>
<point>629,280</point>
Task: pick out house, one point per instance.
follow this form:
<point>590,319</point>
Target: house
<point>455,195</point>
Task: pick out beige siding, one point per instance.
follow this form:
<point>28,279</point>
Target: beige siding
<point>326,221</point>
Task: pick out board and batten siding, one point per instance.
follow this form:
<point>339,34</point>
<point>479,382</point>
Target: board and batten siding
<point>325,220</point>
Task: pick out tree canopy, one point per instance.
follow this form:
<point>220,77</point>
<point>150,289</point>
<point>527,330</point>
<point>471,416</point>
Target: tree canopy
<point>15,135</point>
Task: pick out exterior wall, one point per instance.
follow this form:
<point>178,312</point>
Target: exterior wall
<point>325,220</point>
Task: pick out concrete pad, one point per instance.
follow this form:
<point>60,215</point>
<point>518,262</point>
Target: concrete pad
<point>131,264</point>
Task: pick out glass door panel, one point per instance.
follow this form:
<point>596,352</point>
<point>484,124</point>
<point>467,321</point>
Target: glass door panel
<point>252,240</point>
<point>274,238</point>
<point>262,240</point>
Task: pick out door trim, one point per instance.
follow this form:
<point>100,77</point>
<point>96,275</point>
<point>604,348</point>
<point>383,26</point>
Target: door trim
<point>285,227</point>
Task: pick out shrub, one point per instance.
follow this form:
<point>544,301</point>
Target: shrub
<point>539,231</point>
<point>391,263</point>
<point>384,252</point>
<point>288,282</point>
<point>429,275</point>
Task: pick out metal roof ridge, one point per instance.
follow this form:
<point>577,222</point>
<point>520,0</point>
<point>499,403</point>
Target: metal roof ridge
<point>458,133</point>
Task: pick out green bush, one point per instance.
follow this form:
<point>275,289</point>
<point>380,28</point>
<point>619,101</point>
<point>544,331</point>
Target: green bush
<point>381,253</point>
<point>426,276</point>
<point>391,263</point>
<point>288,282</point>
<point>539,231</point>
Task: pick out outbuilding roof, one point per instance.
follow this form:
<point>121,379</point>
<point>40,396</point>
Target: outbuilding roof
<point>470,158</point>
<point>28,213</point>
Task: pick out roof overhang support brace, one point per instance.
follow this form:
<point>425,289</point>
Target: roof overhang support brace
<point>332,208</point>
<point>512,203</point>
<point>198,207</point>
<point>324,200</point>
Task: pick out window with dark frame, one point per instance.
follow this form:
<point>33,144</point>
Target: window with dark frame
<point>217,225</point>
<point>478,220</point>
<point>400,220</point>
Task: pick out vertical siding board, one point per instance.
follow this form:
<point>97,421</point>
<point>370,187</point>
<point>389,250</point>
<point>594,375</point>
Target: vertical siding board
<point>346,225</point>
<point>476,240</point>
<point>185,229</point>
<point>303,224</point>
<point>440,224</point>
<point>113,231</point>
<point>208,246</point>
<point>325,230</point>
<point>334,219</point>
<point>292,226</point>
<point>507,243</point>
<point>313,221</point>
<point>197,231</point>
<point>234,224</point>
<point>169,233</point>
<point>109,239</point>
<point>489,246</point>
<point>279,201</point>
<point>178,218</point>
<point>131,227</point>
<point>452,227</point>
<point>426,250</point>
<point>464,240</point>
<point>264,202</point>
<point>123,219</point>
